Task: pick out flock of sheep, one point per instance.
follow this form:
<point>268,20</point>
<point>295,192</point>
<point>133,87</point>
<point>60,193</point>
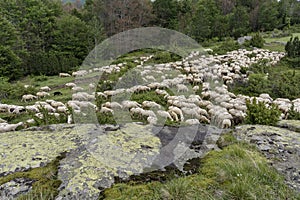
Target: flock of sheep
<point>194,89</point>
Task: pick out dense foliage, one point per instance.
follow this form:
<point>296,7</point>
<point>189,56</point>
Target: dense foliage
<point>280,81</point>
<point>48,36</point>
<point>258,113</point>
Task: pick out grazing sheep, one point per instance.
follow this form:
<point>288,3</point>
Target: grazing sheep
<point>64,75</point>
<point>130,104</point>
<point>182,88</point>
<point>164,114</point>
<point>226,123</point>
<point>113,105</point>
<point>92,86</point>
<point>192,121</point>
<point>174,115</point>
<point>106,110</point>
<point>71,85</point>
<point>29,97</point>
<point>77,89</point>
<point>42,94</point>
<point>177,111</point>
<point>151,104</point>
<point>45,89</point>
<point>152,120</point>
<point>9,127</point>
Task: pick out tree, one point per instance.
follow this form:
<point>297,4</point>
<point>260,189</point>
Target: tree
<point>9,63</point>
<point>239,21</point>
<point>121,15</point>
<point>293,47</point>
<point>166,13</point>
<point>204,22</point>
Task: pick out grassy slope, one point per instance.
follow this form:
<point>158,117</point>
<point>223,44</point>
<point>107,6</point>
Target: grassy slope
<point>239,171</point>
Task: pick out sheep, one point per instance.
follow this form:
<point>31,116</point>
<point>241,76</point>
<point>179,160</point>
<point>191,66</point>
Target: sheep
<point>45,89</point>
<point>192,121</point>
<point>49,108</point>
<point>77,89</point>
<point>114,105</point>
<point>174,115</point>
<point>29,97</point>
<point>9,127</point>
<point>101,94</point>
<point>106,110</point>
<point>151,104</point>
<point>226,123</point>
<point>71,85</point>
<point>42,94</point>
<point>177,111</point>
<point>62,109</point>
<point>182,88</point>
<point>152,120</point>
<point>64,75</point>
<point>92,86</point>
<point>16,109</point>
<point>130,104</point>
<point>202,118</point>
<point>164,114</point>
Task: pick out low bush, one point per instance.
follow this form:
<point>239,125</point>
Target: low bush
<point>226,46</point>
<point>258,113</point>
<point>292,47</point>
<point>257,41</point>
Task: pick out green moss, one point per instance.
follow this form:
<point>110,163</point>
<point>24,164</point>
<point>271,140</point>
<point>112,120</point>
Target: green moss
<point>46,182</point>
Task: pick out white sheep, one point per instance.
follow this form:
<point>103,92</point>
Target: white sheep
<point>130,104</point>
<point>192,121</point>
<point>114,105</point>
<point>77,89</point>
<point>177,111</point>
<point>152,120</point>
<point>45,89</point>
<point>70,85</point>
<point>9,127</point>
<point>106,110</point>
<point>164,114</point>
<point>64,75</point>
<point>28,97</point>
<point>182,88</point>
<point>151,104</point>
<point>226,123</point>
<point>42,94</point>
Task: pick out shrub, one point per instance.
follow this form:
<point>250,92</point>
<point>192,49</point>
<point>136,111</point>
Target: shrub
<point>258,113</point>
<point>292,114</point>
<point>257,41</point>
<point>293,47</point>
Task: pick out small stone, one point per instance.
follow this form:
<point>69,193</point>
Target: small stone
<point>264,147</point>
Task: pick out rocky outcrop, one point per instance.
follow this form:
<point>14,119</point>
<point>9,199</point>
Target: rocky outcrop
<point>96,155</point>
<point>280,145</point>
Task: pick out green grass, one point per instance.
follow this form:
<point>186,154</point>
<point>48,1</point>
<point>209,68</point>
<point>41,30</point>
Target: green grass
<point>46,182</point>
<point>238,171</point>
<point>282,39</point>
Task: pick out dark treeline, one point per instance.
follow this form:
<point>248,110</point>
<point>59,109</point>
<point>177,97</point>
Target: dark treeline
<point>48,37</point>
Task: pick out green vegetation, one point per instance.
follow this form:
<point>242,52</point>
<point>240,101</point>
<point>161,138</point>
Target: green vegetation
<point>258,113</point>
<point>281,80</point>
<point>48,37</point>
<point>45,181</point>
<point>257,41</point>
<point>238,171</point>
